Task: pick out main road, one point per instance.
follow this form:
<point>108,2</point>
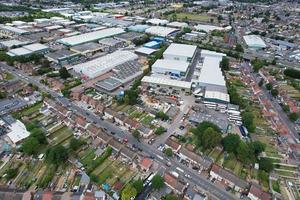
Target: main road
<point>216,192</point>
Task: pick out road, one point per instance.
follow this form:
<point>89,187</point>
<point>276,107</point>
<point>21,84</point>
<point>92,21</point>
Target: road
<point>196,179</point>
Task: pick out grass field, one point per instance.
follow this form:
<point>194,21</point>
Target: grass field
<point>192,16</point>
<point>60,135</point>
<point>215,153</point>
<point>232,164</point>
<point>147,120</point>
<point>30,110</point>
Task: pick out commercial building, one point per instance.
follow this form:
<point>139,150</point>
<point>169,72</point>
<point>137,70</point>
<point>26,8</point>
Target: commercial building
<point>9,31</point>
<point>101,65</point>
<point>166,83</point>
<point>152,45</point>
<point>209,73</point>
<point>18,132</point>
<point>175,68</point>
<point>62,57</point>
<point>13,43</point>
<point>112,43</point>
<point>254,41</point>
<point>145,51</point>
<point>138,28</point>
<point>209,28</point>
<point>177,24</point>
<point>182,52</point>
<point>91,36</point>
<point>157,21</point>
<point>88,49</point>
<point>162,31</point>
<point>26,50</point>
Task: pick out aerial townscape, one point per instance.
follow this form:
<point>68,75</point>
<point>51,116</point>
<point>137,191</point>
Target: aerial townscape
<point>149,100</point>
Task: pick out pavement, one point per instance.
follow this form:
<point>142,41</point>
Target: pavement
<point>196,179</point>
<point>8,105</point>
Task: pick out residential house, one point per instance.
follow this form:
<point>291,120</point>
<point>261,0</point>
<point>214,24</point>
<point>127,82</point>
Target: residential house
<point>131,124</point>
<point>173,182</point>
<point>120,118</point>
<point>195,159</point>
<point>174,145</point>
<point>113,143</point>
<point>100,195</point>
<point>256,193</point>
<point>93,130</point>
<point>104,137</point>
<point>100,108</point>
<point>80,121</point>
<point>110,113</point>
<point>128,153</point>
<point>146,164</point>
<point>76,95</point>
<point>144,131</point>
<point>228,178</point>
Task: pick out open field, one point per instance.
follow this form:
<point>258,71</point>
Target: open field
<point>30,110</point>
<point>182,16</point>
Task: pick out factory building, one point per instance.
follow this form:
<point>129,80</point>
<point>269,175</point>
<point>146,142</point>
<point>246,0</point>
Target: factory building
<point>158,82</point>
<point>173,68</point>
<point>9,31</point>
<point>62,57</point>
<point>27,50</point>
<point>162,31</point>
<point>104,64</point>
<point>182,52</point>
<point>89,49</point>
<point>90,37</point>
<point>254,42</point>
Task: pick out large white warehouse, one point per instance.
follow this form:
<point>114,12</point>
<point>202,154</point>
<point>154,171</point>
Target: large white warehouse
<point>176,68</point>
<point>254,41</point>
<point>99,66</point>
<point>182,52</point>
<point>91,36</point>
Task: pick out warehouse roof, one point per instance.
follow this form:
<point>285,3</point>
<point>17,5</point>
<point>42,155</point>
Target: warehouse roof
<point>13,29</point>
<point>104,64</point>
<point>12,43</point>
<point>181,50</point>
<point>208,28</point>
<point>87,47</point>
<point>145,50</point>
<point>167,82</point>
<point>254,41</point>
<point>161,31</point>
<point>19,52</point>
<point>60,54</point>
<point>211,72</point>
<point>91,36</point>
<point>217,95</point>
<point>157,21</point>
<point>18,132</point>
<point>171,65</point>
<point>36,47</point>
<point>177,24</point>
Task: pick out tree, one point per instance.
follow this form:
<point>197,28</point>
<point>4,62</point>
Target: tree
<point>239,48</point>
<point>39,135</point>
<point>161,115</point>
<point>138,185</point>
<point>56,155</point>
<point>285,108</point>
<point>63,73</point>
<point>11,173</point>
<point>171,197</point>
<point>128,192</point>
<point>248,121</point>
<point>210,138</point>
<point>266,164</point>
<point>261,82</point>
<point>269,86</point>
<point>230,142</point>
<point>224,64</point>
<point>160,130</point>
<point>257,147</point>
<point>274,92</point>
<point>169,152</point>
<point>30,146</point>
<point>74,143</point>
<point>293,73</point>
<point>244,153</point>
<point>157,182</point>
<point>136,134</point>
<point>293,116</point>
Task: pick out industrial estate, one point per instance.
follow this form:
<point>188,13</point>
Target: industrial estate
<point>149,100</point>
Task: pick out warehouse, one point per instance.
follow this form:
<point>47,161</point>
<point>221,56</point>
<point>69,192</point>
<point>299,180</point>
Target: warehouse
<point>157,21</point>
<point>129,37</point>
<point>157,82</point>
<point>111,43</point>
<point>216,97</point>
<point>36,48</point>
<point>177,24</point>
<point>152,45</point>
<point>8,31</point>
<point>210,71</point>
<point>122,74</point>
<point>90,37</point>
<point>181,52</point>
<point>62,57</point>
<point>101,65</point>
<point>162,31</point>
<point>89,49</point>
<point>209,28</point>
<point>145,51</point>
<point>13,43</point>
<point>254,41</point>
<point>174,68</point>
<point>138,28</point>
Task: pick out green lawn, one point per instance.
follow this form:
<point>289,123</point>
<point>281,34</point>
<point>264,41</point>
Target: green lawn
<point>291,168</point>
<point>61,135</point>
<point>275,186</point>
<point>147,120</point>
<point>32,109</point>
<point>215,153</point>
<point>192,16</point>
<point>136,114</point>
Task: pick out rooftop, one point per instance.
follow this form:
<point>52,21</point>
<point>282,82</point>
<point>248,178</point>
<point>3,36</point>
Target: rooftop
<point>18,132</point>
<point>91,36</point>
<point>254,41</point>
<point>161,31</point>
<point>167,82</point>
<point>177,65</point>
<point>180,50</point>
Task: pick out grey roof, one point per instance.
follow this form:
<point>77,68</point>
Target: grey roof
<point>129,36</point>
<point>125,151</point>
<point>85,179</point>
<point>110,42</point>
<point>60,54</point>
<point>87,47</point>
<point>203,161</point>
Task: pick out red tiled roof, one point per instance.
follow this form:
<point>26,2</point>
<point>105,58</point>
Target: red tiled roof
<point>47,196</point>
<point>146,163</point>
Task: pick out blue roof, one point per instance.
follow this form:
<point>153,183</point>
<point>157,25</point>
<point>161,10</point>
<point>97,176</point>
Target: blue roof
<point>152,44</point>
<point>158,39</point>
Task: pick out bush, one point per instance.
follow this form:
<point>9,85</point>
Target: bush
<point>293,73</point>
